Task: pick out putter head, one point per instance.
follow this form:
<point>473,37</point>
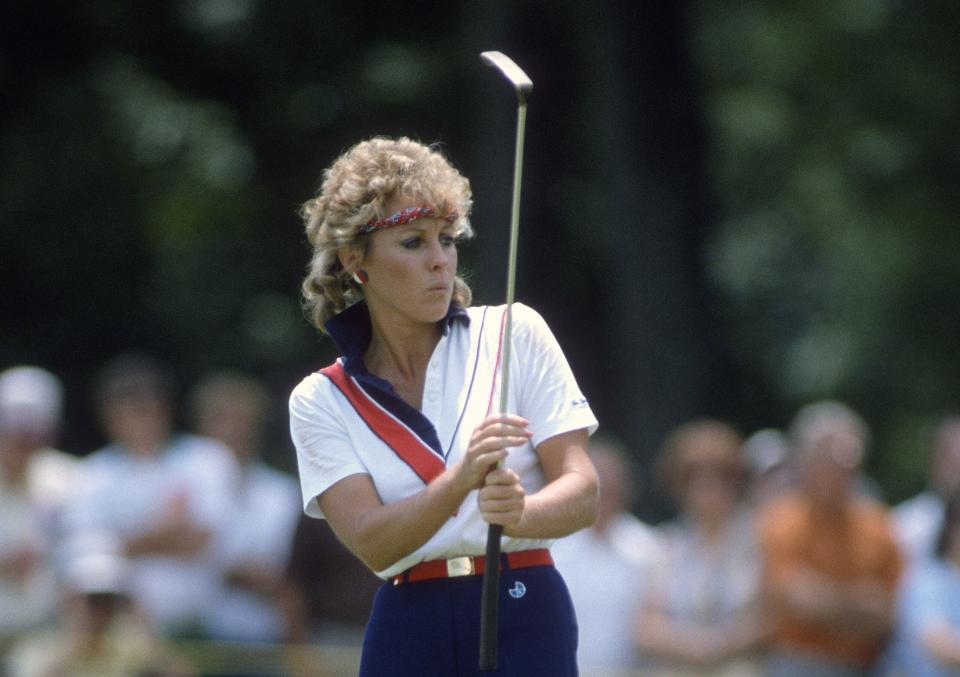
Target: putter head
<point>511,71</point>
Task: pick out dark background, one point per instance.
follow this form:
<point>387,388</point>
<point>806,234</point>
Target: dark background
<point>726,211</point>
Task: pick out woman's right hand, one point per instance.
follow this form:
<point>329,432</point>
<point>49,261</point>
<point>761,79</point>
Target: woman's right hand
<point>381,533</point>
<point>489,444</point>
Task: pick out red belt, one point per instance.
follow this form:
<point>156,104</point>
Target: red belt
<point>471,566</point>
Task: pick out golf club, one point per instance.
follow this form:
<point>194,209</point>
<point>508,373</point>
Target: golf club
<point>491,572</point>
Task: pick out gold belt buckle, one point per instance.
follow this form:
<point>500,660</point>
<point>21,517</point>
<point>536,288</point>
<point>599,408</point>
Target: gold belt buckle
<point>460,566</point>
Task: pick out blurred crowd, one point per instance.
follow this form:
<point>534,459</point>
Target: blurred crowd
<point>783,558</point>
<point>133,559</point>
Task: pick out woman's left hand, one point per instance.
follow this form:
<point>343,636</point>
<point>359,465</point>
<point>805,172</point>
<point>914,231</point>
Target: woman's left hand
<point>501,498</point>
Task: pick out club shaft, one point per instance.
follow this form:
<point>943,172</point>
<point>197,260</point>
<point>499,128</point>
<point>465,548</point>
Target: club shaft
<point>512,256</point>
<point>489,602</point>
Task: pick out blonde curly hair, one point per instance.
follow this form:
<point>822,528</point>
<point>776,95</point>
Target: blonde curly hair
<point>354,191</point>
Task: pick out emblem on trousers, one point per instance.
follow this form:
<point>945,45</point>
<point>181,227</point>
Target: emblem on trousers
<point>518,590</point>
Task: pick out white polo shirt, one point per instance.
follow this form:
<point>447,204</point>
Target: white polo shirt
<point>345,421</point>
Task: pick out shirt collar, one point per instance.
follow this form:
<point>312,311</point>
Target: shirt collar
<point>350,330</point>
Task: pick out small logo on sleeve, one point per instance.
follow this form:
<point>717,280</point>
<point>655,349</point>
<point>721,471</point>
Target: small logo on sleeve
<point>579,404</point>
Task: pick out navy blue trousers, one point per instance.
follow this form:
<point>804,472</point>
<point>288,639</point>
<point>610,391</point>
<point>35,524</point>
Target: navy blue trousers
<point>432,628</point>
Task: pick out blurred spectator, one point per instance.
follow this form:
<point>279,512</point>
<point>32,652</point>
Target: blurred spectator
<point>254,543</point>
<point>767,454</point>
<point>917,520</point>
<point>162,494</point>
<point>702,613</point>
<point>927,639</point>
<point>774,468</point>
<point>34,480</point>
<point>100,632</point>
<point>607,567</point>
<point>832,564</point>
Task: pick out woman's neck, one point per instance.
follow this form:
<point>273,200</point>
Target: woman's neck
<point>400,354</point>
<point>713,530</point>
<point>713,526</point>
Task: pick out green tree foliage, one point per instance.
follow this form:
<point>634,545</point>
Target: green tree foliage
<point>834,150</point>
<point>153,159</point>
<point>799,245</point>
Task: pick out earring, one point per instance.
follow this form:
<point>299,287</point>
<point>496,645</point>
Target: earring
<point>360,276</point>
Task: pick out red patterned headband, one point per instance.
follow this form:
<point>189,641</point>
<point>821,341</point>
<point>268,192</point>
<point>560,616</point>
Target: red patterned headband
<point>405,216</point>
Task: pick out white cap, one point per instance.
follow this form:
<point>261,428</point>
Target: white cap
<point>31,398</point>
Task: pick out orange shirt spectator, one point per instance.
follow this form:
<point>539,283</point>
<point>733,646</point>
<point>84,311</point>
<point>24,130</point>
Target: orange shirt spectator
<point>840,556</point>
<point>831,564</point>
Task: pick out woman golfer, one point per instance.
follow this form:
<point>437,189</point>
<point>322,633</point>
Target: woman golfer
<point>399,442</point>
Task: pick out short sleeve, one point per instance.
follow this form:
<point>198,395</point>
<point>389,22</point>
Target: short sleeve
<point>325,451</point>
<point>549,396</point>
